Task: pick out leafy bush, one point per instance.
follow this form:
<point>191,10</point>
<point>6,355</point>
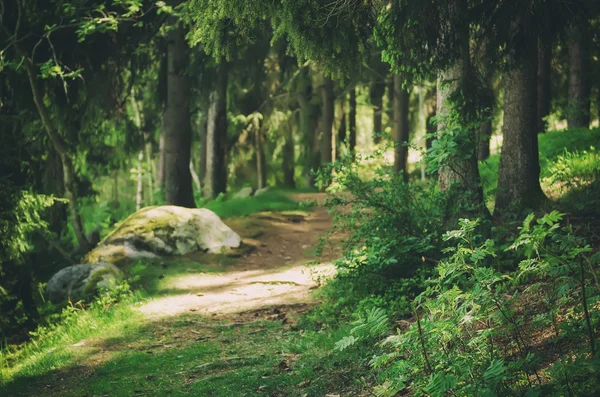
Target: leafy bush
<point>17,225</point>
<point>392,227</point>
<point>471,335</point>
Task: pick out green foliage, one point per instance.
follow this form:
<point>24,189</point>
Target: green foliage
<point>269,201</point>
<point>471,336</point>
<point>18,224</point>
<point>336,45</point>
<point>566,157</point>
<point>73,324</point>
<point>374,324</point>
<point>393,227</point>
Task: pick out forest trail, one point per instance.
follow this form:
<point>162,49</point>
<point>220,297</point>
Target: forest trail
<point>218,329</point>
<point>277,272</point>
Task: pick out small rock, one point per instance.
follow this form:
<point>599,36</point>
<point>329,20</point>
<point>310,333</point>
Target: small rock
<point>80,281</point>
<point>260,192</point>
<point>243,193</point>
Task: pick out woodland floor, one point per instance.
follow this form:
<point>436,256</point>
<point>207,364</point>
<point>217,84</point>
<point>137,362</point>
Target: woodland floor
<point>214,326</point>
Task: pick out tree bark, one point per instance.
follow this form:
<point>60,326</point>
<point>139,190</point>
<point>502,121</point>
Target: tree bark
<point>327,125</point>
<point>352,123</point>
<point>342,131</point>
<point>195,177</point>
<point>376,92</point>
<point>518,174</point>
<point>579,75</point>
<point>139,197</point>
<point>485,133</point>
<point>460,170</point>
<point>203,151</point>
<point>178,128</point>
<point>543,84</point>
<point>160,178</point>
<point>63,151</point>
<point>400,126</point>
<point>288,157</point>
<point>216,137</point>
<point>309,114</point>
<point>261,166</point>
<point>150,165</point>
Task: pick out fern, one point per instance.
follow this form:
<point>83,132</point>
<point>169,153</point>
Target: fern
<point>375,325</point>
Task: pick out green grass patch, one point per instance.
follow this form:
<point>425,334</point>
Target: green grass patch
<point>190,355</point>
<point>270,201</point>
<point>49,347</point>
<point>552,147</point>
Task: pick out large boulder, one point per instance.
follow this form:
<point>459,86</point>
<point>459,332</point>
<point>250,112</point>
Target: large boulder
<point>162,231</point>
<point>80,281</point>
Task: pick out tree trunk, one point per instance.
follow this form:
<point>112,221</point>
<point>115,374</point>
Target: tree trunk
<point>139,197</point>
<point>543,84</point>
<point>518,174</point>
<point>461,169</point>
<point>400,126</point>
<point>215,181</point>
<point>352,123</point>
<point>178,128</point>
<point>202,152</point>
<point>342,131</point>
<point>63,151</point>
<point>288,157</point>
<point>579,75</point>
<point>309,114</point>
<point>195,177</point>
<point>160,178</point>
<point>150,165</point>
<point>327,125</point>
<point>376,92</point>
<point>485,133</point>
<point>430,126</point>
<point>261,166</point>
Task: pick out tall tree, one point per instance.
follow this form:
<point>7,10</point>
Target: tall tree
<point>261,165</point>
<point>579,73</point>
<point>342,127</point>
<point>178,128</point>
<point>327,122</point>
<point>519,171</point>
<point>61,147</point>
<point>461,170</point>
<point>216,137</point>
<point>288,154</point>
<point>309,114</point>
<point>376,92</point>
<point>352,122</point>
<point>400,126</point>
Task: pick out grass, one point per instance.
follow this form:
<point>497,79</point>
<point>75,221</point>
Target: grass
<point>552,145</point>
<point>189,355</point>
<point>269,201</point>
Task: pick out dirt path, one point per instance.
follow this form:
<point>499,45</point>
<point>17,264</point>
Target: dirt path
<point>216,326</point>
<point>274,274</point>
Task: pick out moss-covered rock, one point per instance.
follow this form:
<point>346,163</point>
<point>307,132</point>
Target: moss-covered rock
<point>165,230</point>
<point>81,281</point>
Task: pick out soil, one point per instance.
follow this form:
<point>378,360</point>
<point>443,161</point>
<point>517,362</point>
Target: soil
<point>281,270</point>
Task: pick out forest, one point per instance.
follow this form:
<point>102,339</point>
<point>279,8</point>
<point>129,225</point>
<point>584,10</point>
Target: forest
<point>284,198</point>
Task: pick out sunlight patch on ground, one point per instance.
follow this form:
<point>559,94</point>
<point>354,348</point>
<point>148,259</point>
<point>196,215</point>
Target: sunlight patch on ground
<point>232,292</point>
